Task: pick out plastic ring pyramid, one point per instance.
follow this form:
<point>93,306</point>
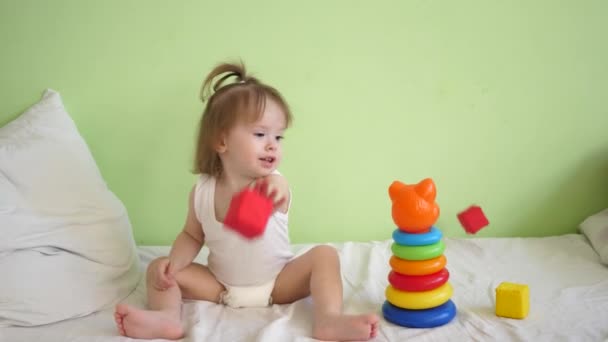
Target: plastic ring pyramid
<point>419,293</point>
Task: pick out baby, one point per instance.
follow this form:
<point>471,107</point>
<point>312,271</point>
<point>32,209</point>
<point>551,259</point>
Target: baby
<point>238,146</point>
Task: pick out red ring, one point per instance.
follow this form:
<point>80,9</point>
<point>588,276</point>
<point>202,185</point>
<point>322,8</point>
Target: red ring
<point>419,283</point>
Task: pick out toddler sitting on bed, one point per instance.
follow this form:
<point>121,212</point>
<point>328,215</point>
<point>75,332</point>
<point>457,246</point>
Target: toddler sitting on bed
<point>239,145</point>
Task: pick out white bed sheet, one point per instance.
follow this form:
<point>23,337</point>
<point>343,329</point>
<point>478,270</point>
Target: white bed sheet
<point>568,297</point>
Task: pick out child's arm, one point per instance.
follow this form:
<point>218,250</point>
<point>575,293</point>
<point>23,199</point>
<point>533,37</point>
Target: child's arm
<point>188,243</point>
<point>276,187</point>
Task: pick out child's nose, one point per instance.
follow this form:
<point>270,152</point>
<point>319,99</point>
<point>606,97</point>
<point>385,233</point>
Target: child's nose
<point>271,146</point>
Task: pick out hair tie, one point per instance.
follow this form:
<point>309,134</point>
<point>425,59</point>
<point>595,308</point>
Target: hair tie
<point>218,84</point>
<point>207,92</point>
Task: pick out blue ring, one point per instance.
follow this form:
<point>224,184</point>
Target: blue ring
<point>427,318</point>
<point>420,239</point>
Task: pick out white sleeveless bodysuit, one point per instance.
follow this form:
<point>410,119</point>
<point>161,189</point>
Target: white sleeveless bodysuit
<point>233,259</point>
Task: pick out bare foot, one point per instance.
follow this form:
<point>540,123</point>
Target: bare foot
<point>147,324</point>
<point>346,327</point>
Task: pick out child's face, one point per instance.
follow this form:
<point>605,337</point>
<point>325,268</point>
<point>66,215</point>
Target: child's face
<point>254,150</point>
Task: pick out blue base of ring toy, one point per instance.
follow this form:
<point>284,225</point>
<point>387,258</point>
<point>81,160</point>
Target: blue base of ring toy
<point>427,318</point>
<point>420,239</point>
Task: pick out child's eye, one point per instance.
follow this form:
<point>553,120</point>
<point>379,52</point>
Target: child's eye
<point>259,135</point>
<point>280,137</point>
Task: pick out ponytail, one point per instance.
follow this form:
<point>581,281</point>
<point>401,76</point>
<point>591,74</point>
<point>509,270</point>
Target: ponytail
<point>228,70</point>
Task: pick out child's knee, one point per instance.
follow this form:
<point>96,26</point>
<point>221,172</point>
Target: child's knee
<point>325,252</point>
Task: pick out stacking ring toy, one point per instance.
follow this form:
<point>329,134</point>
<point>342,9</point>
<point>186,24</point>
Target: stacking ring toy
<point>408,239</point>
<point>417,267</point>
<point>419,300</point>
<point>418,252</point>
<point>428,318</point>
<point>419,283</point>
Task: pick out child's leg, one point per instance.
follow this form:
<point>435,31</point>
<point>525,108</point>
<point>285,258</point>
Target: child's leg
<point>162,320</point>
<point>317,273</point>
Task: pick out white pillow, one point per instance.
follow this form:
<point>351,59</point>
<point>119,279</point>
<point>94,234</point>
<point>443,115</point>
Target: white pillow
<point>66,245</point>
<point>595,228</point>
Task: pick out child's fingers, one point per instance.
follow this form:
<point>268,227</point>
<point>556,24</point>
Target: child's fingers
<point>169,283</point>
<point>275,192</point>
<point>280,202</point>
<point>278,197</point>
<point>257,183</point>
<point>170,272</point>
<point>253,185</point>
<point>164,283</point>
<point>263,186</point>
<point>169,275</point>
<point>267,189</point>
<point>272,193</point>
<point>160,285</point>
<point>164,278</point>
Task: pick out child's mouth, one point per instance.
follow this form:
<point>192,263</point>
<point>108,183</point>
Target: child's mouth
<point>268,161</point>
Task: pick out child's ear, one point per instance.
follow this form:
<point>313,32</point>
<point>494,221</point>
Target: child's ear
<point>220,145</point>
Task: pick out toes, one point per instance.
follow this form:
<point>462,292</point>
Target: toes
<point>122,309</point>
<point>119,324</point>
<point>371,319</point>
<point>374,331</point>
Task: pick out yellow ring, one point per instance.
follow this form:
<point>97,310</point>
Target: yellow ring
<point>419,300</point>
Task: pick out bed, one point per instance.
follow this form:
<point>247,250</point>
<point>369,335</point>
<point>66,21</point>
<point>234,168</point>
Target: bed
<point>568,297</point>
<point>67,256</point>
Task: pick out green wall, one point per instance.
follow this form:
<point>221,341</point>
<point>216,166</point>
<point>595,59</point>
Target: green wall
<point>502,103</point>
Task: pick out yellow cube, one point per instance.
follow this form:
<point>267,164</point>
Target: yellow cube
<point>512,300</point>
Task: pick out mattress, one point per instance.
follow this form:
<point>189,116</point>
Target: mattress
<point>568,297</point>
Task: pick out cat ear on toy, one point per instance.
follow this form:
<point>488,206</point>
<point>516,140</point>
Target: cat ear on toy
<point>248,213</point>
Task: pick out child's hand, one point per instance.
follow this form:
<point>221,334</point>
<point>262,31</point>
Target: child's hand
<point>163,276</point>
<point>276,188</point>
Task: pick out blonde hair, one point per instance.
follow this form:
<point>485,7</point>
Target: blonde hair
<point>243,99</point>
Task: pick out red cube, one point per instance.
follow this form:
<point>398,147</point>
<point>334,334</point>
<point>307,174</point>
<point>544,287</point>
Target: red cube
<point>248,213</point>
<point>473,219</point>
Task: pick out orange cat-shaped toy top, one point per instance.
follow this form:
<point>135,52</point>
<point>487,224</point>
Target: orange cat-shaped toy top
<point>414,207</point>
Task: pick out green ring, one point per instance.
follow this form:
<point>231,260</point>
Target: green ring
<point>418,252</point>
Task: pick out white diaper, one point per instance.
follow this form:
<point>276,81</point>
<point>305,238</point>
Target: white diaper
<point>247,296</point>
